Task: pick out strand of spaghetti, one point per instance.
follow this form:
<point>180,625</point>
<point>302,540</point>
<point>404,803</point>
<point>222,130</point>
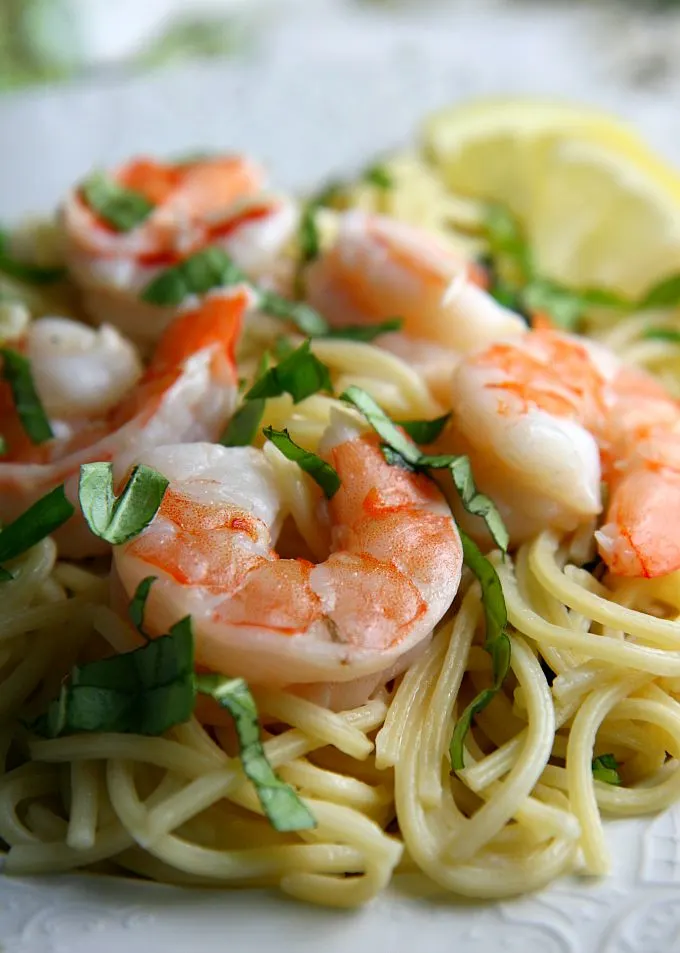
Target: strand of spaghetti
<point>82,581</point>
<point>18,786</point>
<point>497,811</point>
<point>323,784</point>
<point>417,682</point>
<point>603,648</point>
<point>29,572</point>
<point>301,496</point>
<point>438,721</point>
<point>317,722</point>
<point>82,827</point>
<point>30,671</point>
<point>158,751</point>
<point>647,628</point>
<point>579,768</point>
<point>24,622</point>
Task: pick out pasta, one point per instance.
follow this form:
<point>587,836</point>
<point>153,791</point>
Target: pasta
<point>594,677</point>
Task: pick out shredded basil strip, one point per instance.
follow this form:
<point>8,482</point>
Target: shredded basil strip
<point>23,271</point>
<point>301,374</point>
<point>245,424</point>
<point>144,692</point>
<point>320,471</point>
<point>209,268</point>
<point>280,803</point>
<point>308,235</point>
<point>379,176</point>
<point>3,446</point>
<point>497,643</point>
<point>118,519</point>
<point>123,209</point>
<point>665,294</point>
<point>305,318</point>
<point>41,519</point>
<point>365,332</point>
<point>138,603</point>
<point>672,335</point>
<point>16,370</point>
<point>424,431</point>
<point>606,769</point>
<point>381,423</point>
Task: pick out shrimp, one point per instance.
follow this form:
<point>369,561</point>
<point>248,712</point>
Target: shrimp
<point>215,201</point>
<point>380,268</point>
<point>547,419</point>
<point>103,406</point>
<point>354,619</point>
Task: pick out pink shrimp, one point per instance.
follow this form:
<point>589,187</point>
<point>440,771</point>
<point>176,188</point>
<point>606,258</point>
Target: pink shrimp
<point>214,201</point>
<point>187,393</point>
<point>546,418</point>
<point>380,268</point>
<point>393,570</point>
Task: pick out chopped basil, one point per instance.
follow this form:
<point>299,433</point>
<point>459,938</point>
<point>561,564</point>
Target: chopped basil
<point>320,471</point>
<point>379,176</point>
<point>283,347</point>
<point>40,520</point>
<point>301,374</point>
<point>209,268</point>
<point>118,519</point>
<point>365,332</point>
<point>381,423</point>
<point>123,209</point>
<point>16,370</point>
<point>474,502</point>
<point>400,445</point>
<point>3,446</point>
<point>244,425</point>
<point>308,235</point>
<point>23,271</point>
<point>145,692</point>
<point>606,769</point>
<point>424,431</point>
<point>672,335</point>
<point>506,240</point>
<point>497,643</point>
<point>328,195</point>
<point>306,319</point>
<point>138,603</point>
<point>280,803</point>
<point>665,294</point>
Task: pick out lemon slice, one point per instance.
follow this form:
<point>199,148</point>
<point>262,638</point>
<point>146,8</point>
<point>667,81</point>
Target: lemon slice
<point>598,207</point>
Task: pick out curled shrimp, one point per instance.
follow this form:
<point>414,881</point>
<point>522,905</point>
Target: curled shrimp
<point>548,418</point>
<point>103,406</point>
<point>213,201</point>
<point>380,268</point>
<point>393,569</point>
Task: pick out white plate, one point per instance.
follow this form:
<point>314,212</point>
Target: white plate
<point>312,103</point>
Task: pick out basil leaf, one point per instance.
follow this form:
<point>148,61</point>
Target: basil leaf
<point>506,238</point>
<point>665,294</point>
<point>280,803</point>
<point>301,374</point>
<point>16,370</point>
<point>497,643</point>
<point>138,604</point>
<point>118,519</point>
<point>40,520</point>
<point>123,209</point>
<point>244,425</point>
<point>424,431</point>
<point>672,335</point>
<point>145,692</point>
<point>3,446</point>
<point>328,195</point>
<point>23,271</point>
<point>209,268</point>
<point>306,319</point>
<point>474,502</point>
<point>320,471</point>
<point>606,769</point>
<point>308,235</point>
<point>381,423</point>
<point>365,332</point>
<point>565,308</point>
<point>379,176</point>
<point>283,347</point>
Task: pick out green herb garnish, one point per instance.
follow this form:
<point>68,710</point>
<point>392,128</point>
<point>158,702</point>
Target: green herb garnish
<point>366,333</point>
<point>23,271</point>
<point>606,769</point>
<point>118,519</point>
<point>424,431</point>
<point>301,374</point>
<point>497,643</point>
<point>383,426</point>
<point>672,335</point>
<point>305,319</point>
<point>379,176</point>
<point>138,604</point>
<point>320,471</point>
<point>16,370</point>
<point>209,268</point>
<point>123,209</point>
<point>244,425</point>
<point>40,520</point>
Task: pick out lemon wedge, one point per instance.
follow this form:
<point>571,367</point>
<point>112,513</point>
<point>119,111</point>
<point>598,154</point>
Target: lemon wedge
<point>599,209</point>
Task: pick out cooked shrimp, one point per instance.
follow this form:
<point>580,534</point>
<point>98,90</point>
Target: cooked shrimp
<point>102,407</point>
<point>392,573</point>
<point>215,201</point>
<point>380,268</point>
<point>547,418</point>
